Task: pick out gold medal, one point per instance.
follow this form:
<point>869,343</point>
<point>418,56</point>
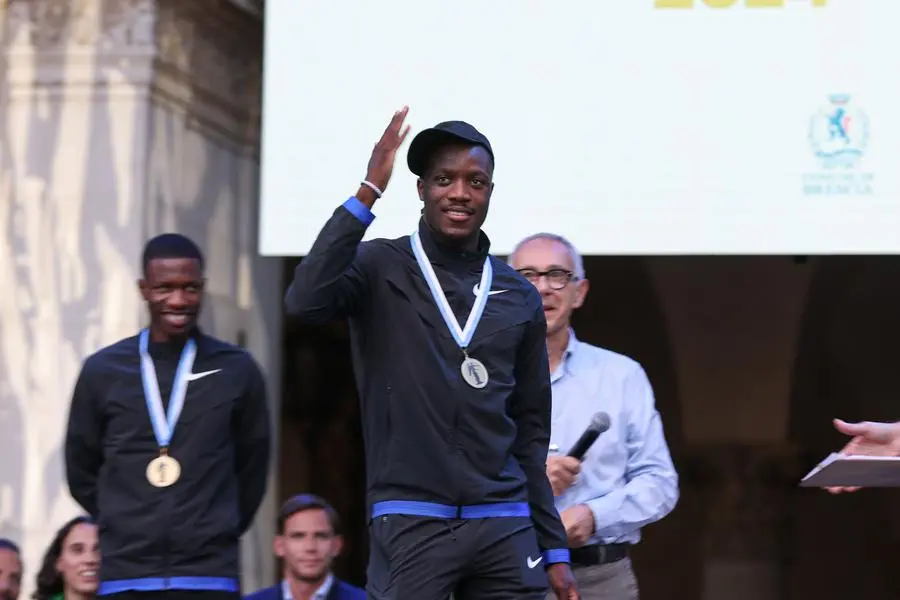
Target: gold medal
<point>163,470</point>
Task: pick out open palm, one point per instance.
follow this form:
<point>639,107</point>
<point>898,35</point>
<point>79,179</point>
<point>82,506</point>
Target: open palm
<point>381,163</point>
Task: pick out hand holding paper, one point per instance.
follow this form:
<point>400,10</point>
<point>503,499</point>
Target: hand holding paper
<point>841,472</point>
<point>870,459</point>
<point>871,439</point>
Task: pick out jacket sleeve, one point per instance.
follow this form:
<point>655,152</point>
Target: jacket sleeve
<point>331,281</point>
<point>252,430</point>
<point>83,444</point>
<point>530,409</point>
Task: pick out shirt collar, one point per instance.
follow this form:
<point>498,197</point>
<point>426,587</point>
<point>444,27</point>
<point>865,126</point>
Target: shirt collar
<point>571,346</point>
<point>173,348</point>
<point>440,253</point>
<point>565,365</point>
<point>321,593</point>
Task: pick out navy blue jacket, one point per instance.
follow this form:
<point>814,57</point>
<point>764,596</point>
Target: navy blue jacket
<point>434,445</point>
<point>185,536</point>
<point>340,590</point>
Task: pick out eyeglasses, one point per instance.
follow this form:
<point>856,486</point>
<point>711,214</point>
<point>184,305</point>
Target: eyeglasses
<point>557,279</point>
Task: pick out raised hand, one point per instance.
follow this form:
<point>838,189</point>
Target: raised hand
<point>381,164</point>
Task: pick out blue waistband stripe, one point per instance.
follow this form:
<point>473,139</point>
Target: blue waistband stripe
<point>447,511</point>
<point>156,584</point>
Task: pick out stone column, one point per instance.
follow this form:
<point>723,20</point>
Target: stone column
<point>747,492</point>
<point>74,79</point>
<point>202,161</point>
<point>118,119</point>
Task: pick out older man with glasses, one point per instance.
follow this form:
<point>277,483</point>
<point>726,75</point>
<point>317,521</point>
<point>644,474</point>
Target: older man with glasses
<point>626,479</point>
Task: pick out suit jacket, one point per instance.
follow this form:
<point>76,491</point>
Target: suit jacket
<point>340,590</point>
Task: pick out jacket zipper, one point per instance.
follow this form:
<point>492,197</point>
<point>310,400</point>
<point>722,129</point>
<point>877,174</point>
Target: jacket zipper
<point>167,541</point>
<point>457,452</point>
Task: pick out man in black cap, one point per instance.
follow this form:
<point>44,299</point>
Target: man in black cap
<point>453,377</point>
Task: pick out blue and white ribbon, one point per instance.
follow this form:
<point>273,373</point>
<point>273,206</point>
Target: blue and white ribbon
<point>463,336</point>
<point>164,424</point>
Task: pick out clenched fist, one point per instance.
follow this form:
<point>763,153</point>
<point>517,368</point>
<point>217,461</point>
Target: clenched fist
<point>561,471</point>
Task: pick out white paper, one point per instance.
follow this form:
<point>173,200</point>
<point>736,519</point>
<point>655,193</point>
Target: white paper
<point>842,470</point>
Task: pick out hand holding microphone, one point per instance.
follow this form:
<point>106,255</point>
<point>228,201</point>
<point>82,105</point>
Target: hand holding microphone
<point>562,470</point>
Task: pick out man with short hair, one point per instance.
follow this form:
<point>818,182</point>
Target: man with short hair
<point>308,540</point>
<point>10,570</point>
<point>451,369</point>
<point>168,443</point>
<point>626,479</point>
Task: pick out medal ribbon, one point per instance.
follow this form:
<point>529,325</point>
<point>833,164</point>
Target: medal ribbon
<point>462,335</point>
<point>164,425</point>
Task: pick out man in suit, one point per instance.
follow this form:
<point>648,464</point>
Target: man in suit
<point>308,541</point>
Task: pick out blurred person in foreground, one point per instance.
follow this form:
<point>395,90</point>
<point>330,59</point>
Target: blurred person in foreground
<point>70,570</point>
<point>10,570</point>
<point>168,443</point>
<point>626,480</point>
<point>454,387</point>
<point>307,541</point>
<point>869,438</point>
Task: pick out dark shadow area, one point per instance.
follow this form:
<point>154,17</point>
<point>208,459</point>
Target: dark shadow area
<point>623,313</point>
<point>846,366</point>
<point>322,446</point>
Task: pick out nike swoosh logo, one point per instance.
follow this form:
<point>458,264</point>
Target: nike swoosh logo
<point>490,293</point>
<point>532,563</point>
<point>201,375</point>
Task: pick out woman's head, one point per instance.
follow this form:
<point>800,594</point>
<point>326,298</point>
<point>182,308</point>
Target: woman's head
<point>72,561</point>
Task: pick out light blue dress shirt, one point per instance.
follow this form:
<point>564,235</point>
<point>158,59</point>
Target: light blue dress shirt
<point>627,477</point>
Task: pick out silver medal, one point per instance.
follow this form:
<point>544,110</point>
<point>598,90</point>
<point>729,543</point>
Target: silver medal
<point>474,372</point>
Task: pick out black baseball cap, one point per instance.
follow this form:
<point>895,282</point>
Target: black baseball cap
<point>429,140</point>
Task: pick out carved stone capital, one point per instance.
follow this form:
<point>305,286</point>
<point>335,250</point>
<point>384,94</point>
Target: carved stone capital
<point>747,490</point>
<point>210,66</point>
<point>202,59</point>
<point>78,44</point>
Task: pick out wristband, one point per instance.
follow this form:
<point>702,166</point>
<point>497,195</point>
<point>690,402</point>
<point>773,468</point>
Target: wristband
<point>372,187</point>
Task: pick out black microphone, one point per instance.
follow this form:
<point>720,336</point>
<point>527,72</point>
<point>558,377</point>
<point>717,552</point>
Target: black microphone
<point>599,424</point>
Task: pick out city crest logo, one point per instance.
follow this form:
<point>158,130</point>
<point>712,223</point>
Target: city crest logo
<point>838,135</point>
